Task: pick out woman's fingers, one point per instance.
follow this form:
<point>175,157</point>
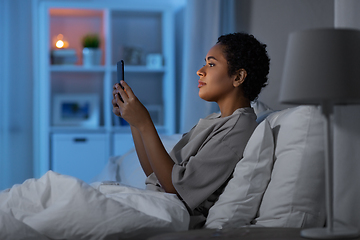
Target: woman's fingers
<point>127,89</point>
<point>128,106</point>
<point>118,100</point>
<point>114,102</point>
<point>115,91</point>
<point>116,109</point>
<point>122,92</point>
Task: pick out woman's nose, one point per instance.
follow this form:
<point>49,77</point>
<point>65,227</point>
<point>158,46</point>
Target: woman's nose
<point>200,72</point>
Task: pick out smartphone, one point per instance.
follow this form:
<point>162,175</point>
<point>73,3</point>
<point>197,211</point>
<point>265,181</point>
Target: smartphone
<point>120,71</point>
<point>120,74</point>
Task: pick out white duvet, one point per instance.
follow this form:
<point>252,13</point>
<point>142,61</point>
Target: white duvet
<point>62,207</point>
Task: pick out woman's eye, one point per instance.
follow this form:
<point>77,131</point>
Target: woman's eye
<point>211,64</point>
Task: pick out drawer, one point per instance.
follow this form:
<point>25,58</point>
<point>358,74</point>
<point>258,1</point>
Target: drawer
<point>79,155</point>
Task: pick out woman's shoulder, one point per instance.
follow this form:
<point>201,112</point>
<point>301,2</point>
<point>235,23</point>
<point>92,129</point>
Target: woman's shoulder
<point>240,124</point>
<point>245,114</point>
<point>243,119</point>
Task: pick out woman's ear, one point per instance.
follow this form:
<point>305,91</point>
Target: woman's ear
<point>240,77</point>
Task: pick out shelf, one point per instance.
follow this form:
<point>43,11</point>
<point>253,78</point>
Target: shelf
<point>140,68</point>
<point>76,68</point>
<point>76,129</point>
<point>79,68</point>
<point>73,12</point>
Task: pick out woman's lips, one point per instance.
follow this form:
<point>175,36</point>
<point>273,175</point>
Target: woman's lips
<point>201,84</point>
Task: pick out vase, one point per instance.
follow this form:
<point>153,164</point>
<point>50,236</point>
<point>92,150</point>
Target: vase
<point>91,57</point>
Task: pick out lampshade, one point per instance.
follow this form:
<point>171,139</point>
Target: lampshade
<point>322,65</point>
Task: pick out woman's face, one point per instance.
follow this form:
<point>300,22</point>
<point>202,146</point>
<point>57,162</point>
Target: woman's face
<point>215,83</point>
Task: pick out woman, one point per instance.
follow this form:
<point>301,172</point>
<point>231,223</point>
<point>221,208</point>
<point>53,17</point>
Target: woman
<point>200,165</point>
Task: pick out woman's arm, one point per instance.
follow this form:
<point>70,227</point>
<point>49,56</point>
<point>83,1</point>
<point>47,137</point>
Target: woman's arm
<point>141,152</point>
<point>159,159</point>
<point>138,117</point>
<point>139,146</point>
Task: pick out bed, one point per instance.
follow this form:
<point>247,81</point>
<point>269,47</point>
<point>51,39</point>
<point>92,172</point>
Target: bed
<point>278,183</point>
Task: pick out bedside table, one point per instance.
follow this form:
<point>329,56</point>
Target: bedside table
<point>246,233</point>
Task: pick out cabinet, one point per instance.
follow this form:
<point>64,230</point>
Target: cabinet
<point>79,155</point>
<point>73,99</point>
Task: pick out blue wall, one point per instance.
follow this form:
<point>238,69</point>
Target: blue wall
<point>16,92</point>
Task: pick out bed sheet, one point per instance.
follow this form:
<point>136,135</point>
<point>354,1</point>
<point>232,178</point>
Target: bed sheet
<point>62,207</point>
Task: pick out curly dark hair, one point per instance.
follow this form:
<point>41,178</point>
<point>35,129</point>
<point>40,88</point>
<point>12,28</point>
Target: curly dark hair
<point>243,50</point>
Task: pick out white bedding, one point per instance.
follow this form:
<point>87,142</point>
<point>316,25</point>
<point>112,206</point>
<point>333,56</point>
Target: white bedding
<point>62,207</point>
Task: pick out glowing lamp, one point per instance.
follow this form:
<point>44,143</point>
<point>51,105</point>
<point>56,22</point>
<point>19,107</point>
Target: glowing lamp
<point>61,42</point>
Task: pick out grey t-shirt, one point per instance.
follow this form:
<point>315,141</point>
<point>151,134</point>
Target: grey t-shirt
<point>206,156</point>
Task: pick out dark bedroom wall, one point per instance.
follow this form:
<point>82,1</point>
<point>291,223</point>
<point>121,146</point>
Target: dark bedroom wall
<point>271,22</point>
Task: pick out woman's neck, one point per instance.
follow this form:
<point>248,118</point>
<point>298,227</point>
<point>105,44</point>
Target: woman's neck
<point>228,108</point>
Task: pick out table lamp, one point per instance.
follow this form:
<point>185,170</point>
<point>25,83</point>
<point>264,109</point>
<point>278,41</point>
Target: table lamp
<point>322,67</point>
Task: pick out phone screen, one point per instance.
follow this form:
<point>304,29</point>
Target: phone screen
<point>120,70</point>
<point>120,73</point>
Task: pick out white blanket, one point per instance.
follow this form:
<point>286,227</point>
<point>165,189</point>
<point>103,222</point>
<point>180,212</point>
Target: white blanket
<point>62,207</point>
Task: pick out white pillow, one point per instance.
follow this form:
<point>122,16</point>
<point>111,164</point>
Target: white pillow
<point>127,170</point>
<point>239,202</point>
<point>295,195</point>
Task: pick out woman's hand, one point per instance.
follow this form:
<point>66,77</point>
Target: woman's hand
<point>131,109</point>
<point>116,109</point>
<point>149,148</point>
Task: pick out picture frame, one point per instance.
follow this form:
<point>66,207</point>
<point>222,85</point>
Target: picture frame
<point>76,110</point>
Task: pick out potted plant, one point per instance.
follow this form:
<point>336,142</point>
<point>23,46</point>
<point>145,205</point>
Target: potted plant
<point>91,52</point>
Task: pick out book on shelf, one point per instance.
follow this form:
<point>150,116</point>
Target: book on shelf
<point>63,56</point>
